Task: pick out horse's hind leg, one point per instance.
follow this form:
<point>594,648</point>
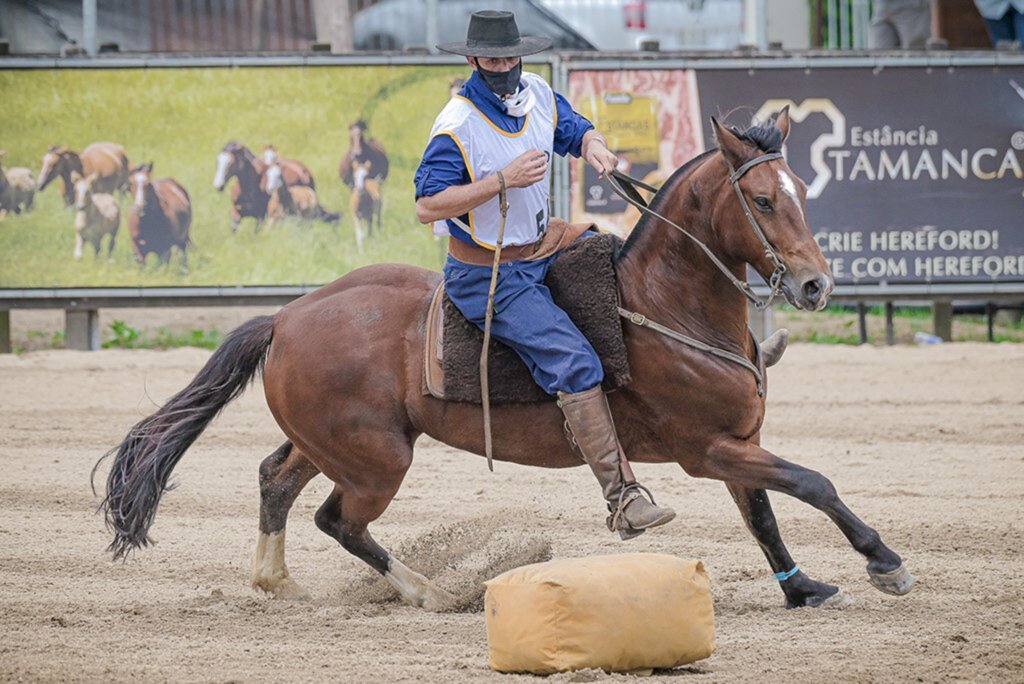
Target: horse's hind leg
<point>749,465</point>
<point>347,512</point>
<point>800,590</point>
<point>283,474</point>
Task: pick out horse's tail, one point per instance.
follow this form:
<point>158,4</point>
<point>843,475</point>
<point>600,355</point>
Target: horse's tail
<point>144,460</point>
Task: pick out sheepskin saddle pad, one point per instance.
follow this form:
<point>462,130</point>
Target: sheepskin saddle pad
<point>582,282</point>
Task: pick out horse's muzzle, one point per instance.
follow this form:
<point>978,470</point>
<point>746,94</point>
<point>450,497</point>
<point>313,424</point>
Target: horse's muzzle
<point>809,292</point>
<point>815,291</point>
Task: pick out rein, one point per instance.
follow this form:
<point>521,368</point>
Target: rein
<point>625,186</point>
<point>485,393</point>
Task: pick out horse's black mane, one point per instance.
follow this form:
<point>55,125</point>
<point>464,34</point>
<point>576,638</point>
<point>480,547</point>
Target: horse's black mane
<point>762,136</point>
<point>765,137</point>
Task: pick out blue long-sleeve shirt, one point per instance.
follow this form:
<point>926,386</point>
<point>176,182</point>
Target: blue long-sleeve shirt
<point>444,166</point>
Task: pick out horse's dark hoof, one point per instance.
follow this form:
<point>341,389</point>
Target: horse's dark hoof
<point>825,596</point>
<point>896,582</point>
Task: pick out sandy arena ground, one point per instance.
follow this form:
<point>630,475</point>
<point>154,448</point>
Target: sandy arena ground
<point>923,443</point>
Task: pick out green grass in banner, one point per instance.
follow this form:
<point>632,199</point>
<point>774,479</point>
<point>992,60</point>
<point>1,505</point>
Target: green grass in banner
<point>180,119</point>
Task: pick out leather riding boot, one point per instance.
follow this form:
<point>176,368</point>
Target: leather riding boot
<point>589,422</point>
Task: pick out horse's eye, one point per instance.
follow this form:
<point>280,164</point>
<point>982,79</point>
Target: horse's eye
<point>763,204</point>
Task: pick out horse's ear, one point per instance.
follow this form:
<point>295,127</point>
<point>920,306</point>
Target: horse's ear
<point>782,122</point>
<point>91,178</point>
<point>149,167</point>
<point>734,149</point>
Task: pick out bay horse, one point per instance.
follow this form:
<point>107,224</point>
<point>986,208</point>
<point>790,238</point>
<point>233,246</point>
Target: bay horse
<point>105,159</point>
<point>161,216</point>
<point>366,203</point>
<point>343,375</point>
<point>247,199</point>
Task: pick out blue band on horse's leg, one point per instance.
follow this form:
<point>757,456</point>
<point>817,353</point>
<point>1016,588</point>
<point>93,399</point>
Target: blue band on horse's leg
<point>783,576</point>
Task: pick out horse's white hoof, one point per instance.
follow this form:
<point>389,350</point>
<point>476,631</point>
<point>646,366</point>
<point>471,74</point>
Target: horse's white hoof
<point>289,590</point>
<point>435,599</point>
<point>896,582</point>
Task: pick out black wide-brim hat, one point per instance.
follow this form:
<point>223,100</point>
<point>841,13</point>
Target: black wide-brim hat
<point>493,33</point>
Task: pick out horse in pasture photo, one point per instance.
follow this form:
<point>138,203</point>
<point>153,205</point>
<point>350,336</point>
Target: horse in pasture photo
<point>247,199</point>
<point>365,203</point>
<point>292,200</point>
<point>17,189</point>
<point>161,216</point>
<point>294,171</point>
<point>343,373</point>
<point>105,159</point>
<point>96,215</point>
<point>363,150</point>
<point>364,168</point>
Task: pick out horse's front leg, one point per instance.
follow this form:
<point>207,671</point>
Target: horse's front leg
<point>800,590</point>
<point>359,231</point>
<point>748,465</point>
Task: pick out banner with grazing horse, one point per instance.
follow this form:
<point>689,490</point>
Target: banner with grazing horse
<point>280,190</point>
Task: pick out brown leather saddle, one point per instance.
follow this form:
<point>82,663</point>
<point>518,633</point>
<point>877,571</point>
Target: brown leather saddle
<point>582,282</point>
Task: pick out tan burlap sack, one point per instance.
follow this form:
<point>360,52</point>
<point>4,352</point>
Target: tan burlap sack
<point>619,613</point>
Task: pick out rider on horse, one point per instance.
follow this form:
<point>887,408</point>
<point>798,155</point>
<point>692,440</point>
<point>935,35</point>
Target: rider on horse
<point>498,133</point>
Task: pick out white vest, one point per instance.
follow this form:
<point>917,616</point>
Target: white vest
<point>487,149</point>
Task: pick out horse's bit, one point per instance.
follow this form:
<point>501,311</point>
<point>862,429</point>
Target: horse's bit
<point>625,186</point>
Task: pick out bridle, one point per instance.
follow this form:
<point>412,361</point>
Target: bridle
<point>626,187</point>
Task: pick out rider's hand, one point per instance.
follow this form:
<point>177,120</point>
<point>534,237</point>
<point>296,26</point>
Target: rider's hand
<point>600,157</point>
<point>526,169</point>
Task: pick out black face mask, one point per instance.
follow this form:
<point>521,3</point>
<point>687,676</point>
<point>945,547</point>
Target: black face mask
<point>501,83</point>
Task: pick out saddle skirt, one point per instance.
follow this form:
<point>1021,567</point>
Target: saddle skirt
<point>583,283</point>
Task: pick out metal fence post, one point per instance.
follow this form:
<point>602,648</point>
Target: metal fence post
<point>5,332</point>
<point>432,26</point>
<point>89,26</point>
<point>890,331</point>
<point>82,329</point>
<point>862,322</point>
<point>762,323</point>
<point>942,312</point>
<point>833,24</point>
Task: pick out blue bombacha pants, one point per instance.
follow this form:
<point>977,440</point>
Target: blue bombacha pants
<point>527,319</point>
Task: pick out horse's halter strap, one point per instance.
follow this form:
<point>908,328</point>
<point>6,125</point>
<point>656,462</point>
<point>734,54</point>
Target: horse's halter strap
<point>779,270</point>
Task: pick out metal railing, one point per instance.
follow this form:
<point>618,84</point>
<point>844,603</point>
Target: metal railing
<point>842,24</point>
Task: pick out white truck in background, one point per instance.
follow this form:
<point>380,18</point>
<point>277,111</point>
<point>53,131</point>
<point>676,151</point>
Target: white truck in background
<point>674,24</point>
<point>686,24</point>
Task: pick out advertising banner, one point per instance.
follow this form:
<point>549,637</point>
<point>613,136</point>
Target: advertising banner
<point>651,119</point>
<point>176,181</point>
<point>914,175</point>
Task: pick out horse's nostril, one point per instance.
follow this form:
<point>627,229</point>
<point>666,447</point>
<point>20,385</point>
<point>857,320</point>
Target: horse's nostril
<point>812,290</point>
